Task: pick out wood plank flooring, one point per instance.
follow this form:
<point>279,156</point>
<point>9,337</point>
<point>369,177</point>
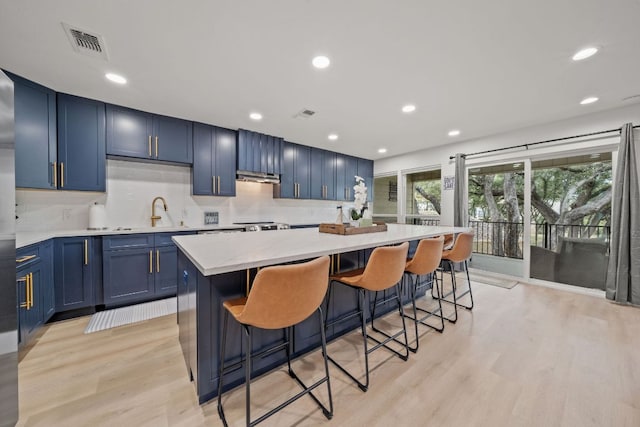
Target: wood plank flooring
<point>528,356</point>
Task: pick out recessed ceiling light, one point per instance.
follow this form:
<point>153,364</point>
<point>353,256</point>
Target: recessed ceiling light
<point>332,137</point>
<point>409,108</point>
<point>382,150</point>
<point>454,132</point>
<point>589,100</point>
<point>255,116</point>
<point>116,78</point>
<point>584,53</point>
<point>320,61</point>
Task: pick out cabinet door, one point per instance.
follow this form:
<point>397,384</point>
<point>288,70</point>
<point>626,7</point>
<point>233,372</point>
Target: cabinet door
<point>303,171</point>
<point>35,134</point>
<point>346,170</point>
<point>81,143</point>
<point>73,272</point>
<point>129,132</point>
<point>128,275</point>
<point>287,179</point>
<point>365,170</point>
<point>29,301</point>
<point>46,286</point>
<point>329,174</point>
<point>172,139</point>
<point>225,162</point>
<point>203,160</point>
<point>166,271</point>
<point>316,174</point>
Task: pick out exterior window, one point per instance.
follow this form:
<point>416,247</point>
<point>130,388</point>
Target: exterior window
<point>385,199</point>
<point>423,198</point>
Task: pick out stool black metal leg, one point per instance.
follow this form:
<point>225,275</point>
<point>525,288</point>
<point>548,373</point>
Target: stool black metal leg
<point>221,367</point>
<point>247,375</point>
<point>323,338</point>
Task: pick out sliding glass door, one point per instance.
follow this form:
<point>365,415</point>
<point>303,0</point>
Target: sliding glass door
<point>496,205</point>
<point>570,219</point>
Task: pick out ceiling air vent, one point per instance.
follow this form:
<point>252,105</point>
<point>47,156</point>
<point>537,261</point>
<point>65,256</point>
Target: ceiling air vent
<point>85,42</point>
<point>306,113</point>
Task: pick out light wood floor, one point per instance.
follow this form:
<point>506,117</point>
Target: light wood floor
<point>529,356</point>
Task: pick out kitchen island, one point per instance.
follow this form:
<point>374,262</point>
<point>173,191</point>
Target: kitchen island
<point>217,267</point>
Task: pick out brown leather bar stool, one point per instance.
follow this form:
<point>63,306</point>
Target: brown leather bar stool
<point>425,261</point>
<point>459,253</point>
<point>281,297</point>
<point>383,271</point>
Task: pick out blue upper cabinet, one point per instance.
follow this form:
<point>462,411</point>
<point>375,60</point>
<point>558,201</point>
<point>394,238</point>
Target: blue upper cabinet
<point>35,129</point>
<point>214,163</point>
<point>323,174</point>
<point>296,172</point>
<point>365,170</point>
<point>172,139</point>
<point>81,144</point>
<point>137,134</point>
<point>346,170</point>
<point>259,153</point>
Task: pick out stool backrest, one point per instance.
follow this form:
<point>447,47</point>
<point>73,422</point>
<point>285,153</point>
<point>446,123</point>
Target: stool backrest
<point>462,248</point>
<point>284,295</point>
<point>385,267</point>
<point>427,256</point>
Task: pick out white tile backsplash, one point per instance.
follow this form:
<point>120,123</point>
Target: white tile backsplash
<point>131,186</point>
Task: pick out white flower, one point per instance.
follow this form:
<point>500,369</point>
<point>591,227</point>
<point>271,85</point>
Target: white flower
<point>360,194</point>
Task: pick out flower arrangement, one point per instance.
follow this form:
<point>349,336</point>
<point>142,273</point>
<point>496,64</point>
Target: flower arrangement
<point>359,199</point>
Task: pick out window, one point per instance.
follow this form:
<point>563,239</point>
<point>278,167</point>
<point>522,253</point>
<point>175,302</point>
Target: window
<point>422,203</point>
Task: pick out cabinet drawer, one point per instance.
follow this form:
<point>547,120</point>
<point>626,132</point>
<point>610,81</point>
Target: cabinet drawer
<point>27,255</point>
<point>127,241</point>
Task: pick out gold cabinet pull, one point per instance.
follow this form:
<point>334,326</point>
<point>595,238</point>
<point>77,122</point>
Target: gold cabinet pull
<point>218,192</point>
<point>86,252</point>
<point>156,146</point>
<point>158,261</point>
<point>55,174</point>
<point>25,279</point>
<point>25,258</point>
<point>61,174</point>
<point>213,184</point>
<point>150,261</point>
<point>30,289</point>
<point>149,145</point>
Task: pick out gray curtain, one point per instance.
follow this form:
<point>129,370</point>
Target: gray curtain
<point>459,209</point>
<point>623,272</point>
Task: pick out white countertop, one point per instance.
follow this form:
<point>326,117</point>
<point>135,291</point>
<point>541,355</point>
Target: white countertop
<point>222,253</point>
<point>30,237</point>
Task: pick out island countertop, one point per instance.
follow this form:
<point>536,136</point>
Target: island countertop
<point>223,253</point>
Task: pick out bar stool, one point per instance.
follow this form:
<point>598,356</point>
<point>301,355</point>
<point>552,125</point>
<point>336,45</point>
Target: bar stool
<point>460,253</point>
<point>425,261</point>
<point>281,297</point>
<point>383,271</point>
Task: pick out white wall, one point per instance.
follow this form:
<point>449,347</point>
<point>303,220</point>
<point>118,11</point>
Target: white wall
<point>131,186</point>
<point>438,157</point>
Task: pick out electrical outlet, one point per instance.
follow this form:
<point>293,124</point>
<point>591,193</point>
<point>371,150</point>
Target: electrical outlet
<point>66,214</point>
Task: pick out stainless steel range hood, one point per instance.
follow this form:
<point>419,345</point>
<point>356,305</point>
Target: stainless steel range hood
<point>266,178</point>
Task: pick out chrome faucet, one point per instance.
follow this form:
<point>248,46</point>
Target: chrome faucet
<point>155,217</point>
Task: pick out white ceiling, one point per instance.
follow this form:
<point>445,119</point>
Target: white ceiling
<point>483,67</point>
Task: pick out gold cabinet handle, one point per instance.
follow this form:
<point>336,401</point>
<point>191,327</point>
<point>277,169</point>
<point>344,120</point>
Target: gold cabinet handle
<point>156,146</point>
<point>25,279</point>
<point>213,184</point>
<point>149,145</point>
<point>86,252</point>
<point>218,192</point>
<point>25,258</point>
<point>150,261</point>
<point>55,174</point>
<point>158,261</point>
<point>61,174</point>
<point>31,289</point>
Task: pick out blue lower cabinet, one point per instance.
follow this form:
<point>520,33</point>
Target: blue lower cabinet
<point>47,287</point>
<point>29,280</point>
<point>139,267</point>
<point>75,262</point>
